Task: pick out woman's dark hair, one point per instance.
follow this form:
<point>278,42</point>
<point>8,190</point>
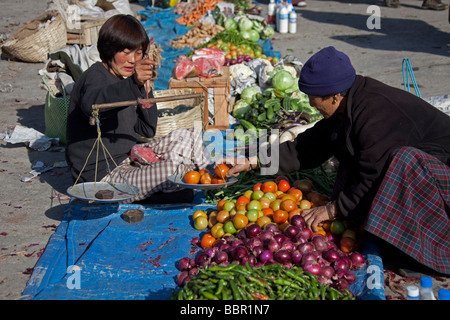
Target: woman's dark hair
<point>118,33</point>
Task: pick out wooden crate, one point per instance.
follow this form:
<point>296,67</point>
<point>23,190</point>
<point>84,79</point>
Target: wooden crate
<point>87,35</point>
<point>221,89</point>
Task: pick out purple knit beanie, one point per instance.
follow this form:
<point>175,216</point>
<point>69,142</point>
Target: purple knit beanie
<point>329,71</point>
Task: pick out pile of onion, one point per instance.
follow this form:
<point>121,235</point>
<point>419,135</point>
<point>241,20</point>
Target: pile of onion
<point>296,245</point>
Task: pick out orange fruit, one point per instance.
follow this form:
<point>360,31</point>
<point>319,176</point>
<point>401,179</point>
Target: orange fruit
<point>207,240</point>
<point>280,216</point>
<point>192,177</point>
<point>288,205</point>
<point>269,186</point>
<point>221,170</point>
<point>220,204</point>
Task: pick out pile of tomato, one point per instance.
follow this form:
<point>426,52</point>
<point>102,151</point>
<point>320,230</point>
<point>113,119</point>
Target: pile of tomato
<point>203,176</point>
<point>270,202</point>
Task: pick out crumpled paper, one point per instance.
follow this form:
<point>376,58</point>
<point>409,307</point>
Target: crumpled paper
<point>37,140</point>
<point>39,167</point>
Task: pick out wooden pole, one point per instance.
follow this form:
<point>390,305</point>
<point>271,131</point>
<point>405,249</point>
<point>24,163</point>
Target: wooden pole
<point>151,100</point>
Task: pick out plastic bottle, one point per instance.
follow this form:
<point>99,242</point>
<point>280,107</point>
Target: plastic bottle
<point>426,289</point>
<point>271,14</point>
<point>444,294</point>
<point>277,15</point>
<point>289,5</point>
<point>412,293</point>
<point>293,21</point>
<point>284,20</point>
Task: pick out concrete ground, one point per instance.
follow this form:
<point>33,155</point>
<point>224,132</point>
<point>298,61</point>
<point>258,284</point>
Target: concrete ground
<point>31,211</point>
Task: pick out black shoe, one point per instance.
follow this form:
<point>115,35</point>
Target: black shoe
<point>433,5</point>
<point>392,3</point>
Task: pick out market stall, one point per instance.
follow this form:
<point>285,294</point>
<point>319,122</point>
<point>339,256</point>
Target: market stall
<point>98,253</point>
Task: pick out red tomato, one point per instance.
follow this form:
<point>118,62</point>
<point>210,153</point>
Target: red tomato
<point>208,240</point>
<point>205,178</point>
<point>283,185</point>
<point>280,216</point>
<point>221,170</point>
<point>347,244</point>
<point>257,186</point>
<point>269,186</point>
<point>192,177</point>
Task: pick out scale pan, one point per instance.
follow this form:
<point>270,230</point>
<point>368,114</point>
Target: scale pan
<point>87,191</point>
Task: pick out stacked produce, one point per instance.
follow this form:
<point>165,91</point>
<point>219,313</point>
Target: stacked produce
<point>199,33</point>
<point>264,227</point>
<point>272,282</point>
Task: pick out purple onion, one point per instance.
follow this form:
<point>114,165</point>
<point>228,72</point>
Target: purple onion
<point>242,234</point>
<point>251,243</point>
<point>196,241</point>
<point>298,221</point>
<point>201,258</point>
<point>182,278</point>
<point>357,259</point>
<point>331,255</point>
<point>258,250</point>
<point>237,242</point>
<point>272,227</point>
<point>320,242</point>
<point>327,272</point>
<point>251,259</point>
<point>306,233</point>
<point>288,245</point>
<point>350,277</point>
<point>221,256</point>
<point>342,284</point>
<point>273,245</point>
<point>282,256</point>
<point>298,239</point>
<point>265,256</point>
<point>210,252</point>
<point>193,272</point>
<point>308,257</point>
<point>280,238</point>
<point>296,257</point>
<point>239,252</point>
<point>312,267</point>
<point>305,247</point>
<point>341,265</point>
<point>265,235</point>
<point>291,231</point>
<point>253,230</point>
<point>183,264</point>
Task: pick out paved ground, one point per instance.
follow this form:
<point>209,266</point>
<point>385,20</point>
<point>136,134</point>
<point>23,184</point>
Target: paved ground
<point>30,211</point>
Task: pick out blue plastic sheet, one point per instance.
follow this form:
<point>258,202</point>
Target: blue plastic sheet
<point>95,255</point>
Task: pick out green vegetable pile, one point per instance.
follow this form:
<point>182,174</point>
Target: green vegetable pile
<point>271,282</point>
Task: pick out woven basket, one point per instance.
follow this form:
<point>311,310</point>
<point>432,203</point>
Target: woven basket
<point>167,124</point>
<point>32,44</point>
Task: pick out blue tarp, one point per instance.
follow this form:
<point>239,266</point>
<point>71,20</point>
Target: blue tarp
<point>94,255</point>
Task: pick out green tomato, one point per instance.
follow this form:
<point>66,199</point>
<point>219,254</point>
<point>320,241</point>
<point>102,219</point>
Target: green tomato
<point>271,196</point>
<point>252,215</point>
<point>200,223</point>
<point>254,204</point>
<point>229,227</point>
<point>258,194</point>
<point>228,206</point>
<point>337,227</point>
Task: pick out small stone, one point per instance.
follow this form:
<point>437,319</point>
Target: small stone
<point>133,215</point>
<point>104,194</point>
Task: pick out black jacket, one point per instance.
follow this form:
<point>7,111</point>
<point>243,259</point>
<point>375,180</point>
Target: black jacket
<point>118,126</point>
<point>376,120</point>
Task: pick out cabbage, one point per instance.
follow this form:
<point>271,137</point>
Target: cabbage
<point>240,109</point>
<point>248,93</point>
<point>245,24</point>
<point>230,24</point>
<point>245,34</point>
<point>253,35</point>
<point>258,26</point>
<point>267,33</point>
<point>283,80</point>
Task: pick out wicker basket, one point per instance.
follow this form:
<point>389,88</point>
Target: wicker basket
<point>167,124</point>
<point>32,43</point>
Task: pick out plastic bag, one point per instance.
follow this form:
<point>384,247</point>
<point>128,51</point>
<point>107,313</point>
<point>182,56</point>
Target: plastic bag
<point>143,155</point>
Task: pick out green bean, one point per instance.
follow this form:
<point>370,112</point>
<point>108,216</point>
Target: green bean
<point>235,291</point>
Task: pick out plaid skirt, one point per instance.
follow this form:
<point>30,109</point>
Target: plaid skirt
<point>412,206</point>
<point>179,151</point>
